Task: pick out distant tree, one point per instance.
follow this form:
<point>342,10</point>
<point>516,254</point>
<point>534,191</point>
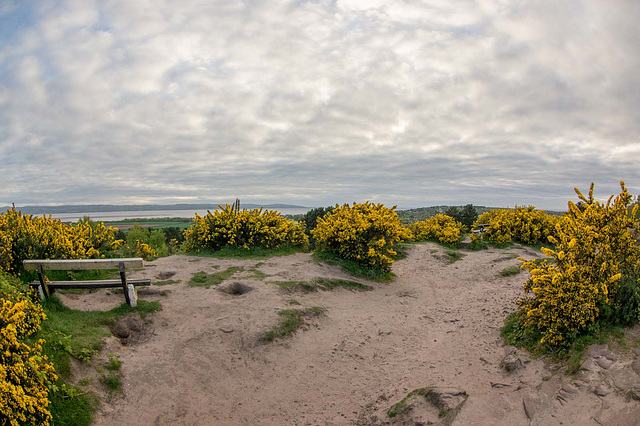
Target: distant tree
<point>311,219</point>
<point>467,215</point>
<point>173,233</point>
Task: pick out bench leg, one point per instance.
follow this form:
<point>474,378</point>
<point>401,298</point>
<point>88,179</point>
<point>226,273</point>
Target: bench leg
<point>40,292</point>
<point>132,295</point>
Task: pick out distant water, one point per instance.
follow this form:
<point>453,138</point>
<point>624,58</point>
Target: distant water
<point>150,214</point>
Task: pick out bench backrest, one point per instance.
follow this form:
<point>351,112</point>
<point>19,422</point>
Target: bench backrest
<point>82,264</point>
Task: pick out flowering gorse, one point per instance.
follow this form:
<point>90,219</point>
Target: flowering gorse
<point>24,236</point>
<point>25,373</point>
<point>594,247</point>
<point>441,228</point>
<point>523,224</point>
<point>232,227</point>
<point>365,233</point>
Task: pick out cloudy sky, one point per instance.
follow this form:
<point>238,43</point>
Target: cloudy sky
<point>415,103</point>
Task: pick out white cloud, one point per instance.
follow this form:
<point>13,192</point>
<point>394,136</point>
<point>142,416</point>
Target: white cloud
<point>431,102</point>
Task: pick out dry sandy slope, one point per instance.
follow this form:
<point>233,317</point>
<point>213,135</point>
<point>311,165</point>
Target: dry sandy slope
<point>437,324</point>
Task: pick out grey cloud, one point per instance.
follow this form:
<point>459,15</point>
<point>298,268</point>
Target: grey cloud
<point>490,102</point>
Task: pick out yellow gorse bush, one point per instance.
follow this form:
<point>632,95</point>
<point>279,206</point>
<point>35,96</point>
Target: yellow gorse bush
<point>365,232</point>
<point>24,236</point>
<point>441,228</point>
<point>232,227</point>
<point>594,246</point>
<point>25,373</point>
<point>524,224</point>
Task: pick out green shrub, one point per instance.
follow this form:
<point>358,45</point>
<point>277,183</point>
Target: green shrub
<point>311,217</point>
<point>466,215</point>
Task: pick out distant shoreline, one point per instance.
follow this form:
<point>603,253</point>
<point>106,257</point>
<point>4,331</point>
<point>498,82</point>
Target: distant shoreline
<point>110,208</point>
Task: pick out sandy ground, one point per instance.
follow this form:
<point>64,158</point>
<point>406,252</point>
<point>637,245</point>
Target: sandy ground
<point>437,324</point>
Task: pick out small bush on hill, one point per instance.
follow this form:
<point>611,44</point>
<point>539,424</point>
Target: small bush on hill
<point>466,215</point>
<point>28,237</point>
<point>311,217</point>
<point>593,279</point>
<point>366,233</point>
<point>231,227</point>
<point>440,228</point>
<point>522,224</point>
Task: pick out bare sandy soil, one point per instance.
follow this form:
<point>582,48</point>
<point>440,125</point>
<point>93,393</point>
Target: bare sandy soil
<point>203,360</point>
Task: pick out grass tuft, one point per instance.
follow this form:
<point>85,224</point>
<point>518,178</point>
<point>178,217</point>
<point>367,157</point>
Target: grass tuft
<point>331,283</point>
<point>354,268</point>
<point>250,253</point>
<point>79,334</point>
<point>300,286</point>
<point>404,406</point>
<point>202,279</point>
<point>166,282</point>
<point>573,356</point>
<point>511,270</point>
<point>321,284</point>
<point>290,320</point>
<point>454,255</point>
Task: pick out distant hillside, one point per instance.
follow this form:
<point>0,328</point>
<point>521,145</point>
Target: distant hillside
<point>92,208</point>
<point>422,213</point>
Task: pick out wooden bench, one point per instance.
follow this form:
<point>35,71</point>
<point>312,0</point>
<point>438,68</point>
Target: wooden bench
<point>45,288</point>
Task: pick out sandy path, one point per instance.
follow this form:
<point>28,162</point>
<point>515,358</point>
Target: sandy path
<point>437,324</point>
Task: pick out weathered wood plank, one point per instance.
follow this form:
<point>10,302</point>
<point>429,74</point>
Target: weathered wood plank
<point>81,264</point>
<point>94,284</point>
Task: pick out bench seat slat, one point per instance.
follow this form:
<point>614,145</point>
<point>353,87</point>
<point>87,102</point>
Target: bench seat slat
<point>94,284</point>
<point>82,264</point>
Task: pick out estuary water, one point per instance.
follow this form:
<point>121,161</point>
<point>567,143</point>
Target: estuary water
<point>149,214</point>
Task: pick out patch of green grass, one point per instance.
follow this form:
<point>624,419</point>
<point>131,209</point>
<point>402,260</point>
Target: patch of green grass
<point>353,268</point>
<point>113,364</point>
<point>79,334</point>
<point>112,382</point>
<point>255,273</point>
<point>454,255</point>
<point>321,284</point>
<point>505,256</point>
<point>164,292</point>
<point>514,334</point>
<point>572,356</point>
<point>315,310</point>
<point>202,279</point>
<point>293,302</point>
<point>539,246</point>
<point>293,286</point>
<point>331,283</point>
<point>88,275</point>
<point>250,253</point>
<point>404,406</point>
<point>478,245</point>
<point>511,270</point>
<point>73,411</point>
<point>166,282</point>
<point>636,342</point>
<point>290,320</point>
